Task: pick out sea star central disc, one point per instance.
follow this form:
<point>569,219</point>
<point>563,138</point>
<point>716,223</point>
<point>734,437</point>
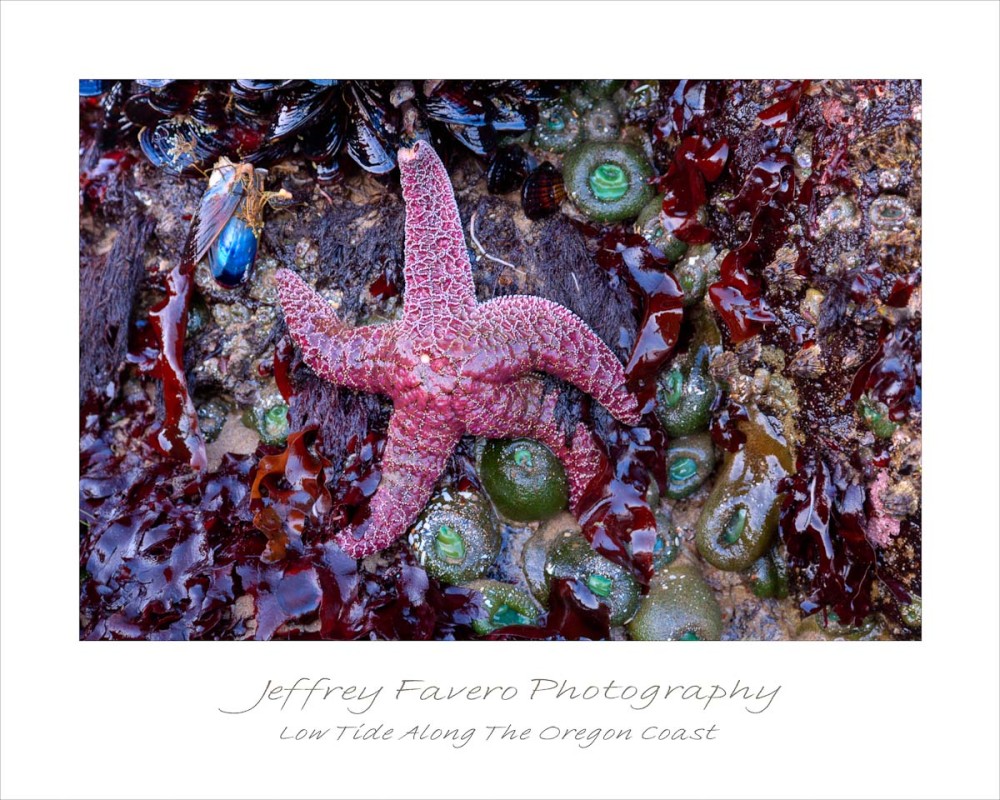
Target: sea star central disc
<point>451,365</point>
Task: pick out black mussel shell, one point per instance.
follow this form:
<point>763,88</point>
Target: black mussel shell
<point>507,169</point>
<point>328,171</point>
<point>530,91</point>
<point>513,115</point>
<point>543,192</point>
<point>178,145</point>
<point>209,108</point>
<point>368,149</point>
<point>458,104</point>
<point>243,138</point>
<point>115,122</point>
<point>264,86</point>
<point>372,133</point>
<point>269,152</point>
<point>114,96</point>
<point>299,108</point>
<point>140,111</point>
<point>153,84</point>
<point>175,97</point>
<point>479,140</point>
<point>322,141</point>
<point>251,104</point>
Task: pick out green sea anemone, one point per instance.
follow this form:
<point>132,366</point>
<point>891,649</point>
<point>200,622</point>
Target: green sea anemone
<point>608,181</point>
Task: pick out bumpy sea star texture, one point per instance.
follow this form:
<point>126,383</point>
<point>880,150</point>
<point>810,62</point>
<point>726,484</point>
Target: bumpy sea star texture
<point>451,365</point>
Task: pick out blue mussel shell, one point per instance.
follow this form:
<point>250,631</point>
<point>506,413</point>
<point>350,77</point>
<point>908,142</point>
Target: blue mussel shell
<point>91,88</point>
<point>233,253</point>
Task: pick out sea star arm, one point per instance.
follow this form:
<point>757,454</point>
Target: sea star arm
<point>436,272</point>
<point>545,336</point>
<point>351,357</point>
<point>520,409</point>
<point>416,452</point>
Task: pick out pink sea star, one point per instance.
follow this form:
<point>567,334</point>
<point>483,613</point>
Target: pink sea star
<point>451,365</point>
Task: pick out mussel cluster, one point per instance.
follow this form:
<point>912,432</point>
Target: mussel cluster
<point>184,125</point>
<point>521,127</point>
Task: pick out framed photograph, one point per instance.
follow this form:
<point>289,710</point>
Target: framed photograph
<point>425,410</point>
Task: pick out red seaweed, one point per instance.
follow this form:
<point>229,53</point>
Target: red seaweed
<point>383,288</point>
<point>737,296</point>
<point>288,488</point>
<point>614,513</point>
<point>177,435</point>
<point>822,525</point>
<point>766,190</point>
<point>697,162</point>
<point>281,365</point>
<point>689,103</point>
<point>167,553</point>
<point>725,431</point>
<point>891,375</point>
<point>357,481</point>
<point>97,181</point>
<point>659,299</point>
